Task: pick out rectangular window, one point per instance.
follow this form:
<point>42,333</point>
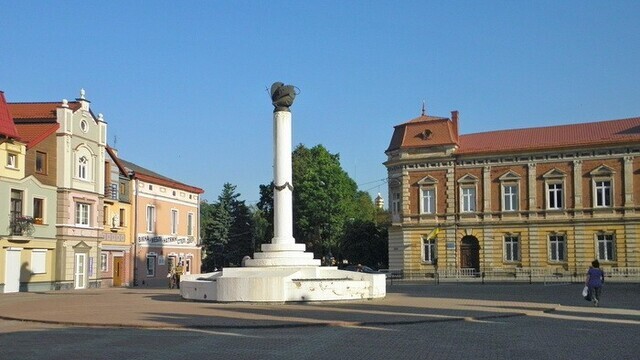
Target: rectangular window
<point>151,219</point>
<point>12,161</point>
<point>41,162</point>
<point>15,212</point>
<point>82,214</point>
<point>605,247</point>
<point>38,261</point>
<point>104,262</point>
<point>428,200</point>
<point>468,199</point>
<point>603,193</point>
<point>554,196</point>
<point>510,197</point>
<point>122,215</point>
<point>190,224</point>
<point>429,250</point>
<point>38,211</point>
<point>395,203</point>
<point>105,215</point>
<point>174,222</point>
<point>82,167</point>
<point>151,265</point>
<point>557,246</point>
<point>511,248</point>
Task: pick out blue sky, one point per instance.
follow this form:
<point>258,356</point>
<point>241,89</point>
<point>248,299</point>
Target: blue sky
<point>182,85</point>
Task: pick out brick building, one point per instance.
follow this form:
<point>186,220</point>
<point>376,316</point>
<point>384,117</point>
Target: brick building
<point>547,199</point>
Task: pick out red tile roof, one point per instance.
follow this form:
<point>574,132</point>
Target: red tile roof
<point>426,132</point>
<point>7,126</point>
<point>155,178</point>
<point>552,137</point>
<point>26,112</point>
<point>33,134</point>
<point>423,131</point>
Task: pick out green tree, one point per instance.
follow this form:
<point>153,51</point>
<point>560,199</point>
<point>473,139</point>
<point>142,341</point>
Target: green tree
<point>325,198</point>
<point>365,242</point>
<point>227,229</point>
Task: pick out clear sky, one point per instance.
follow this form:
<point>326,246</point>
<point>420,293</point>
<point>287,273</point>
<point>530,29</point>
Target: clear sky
<point>182,84</point>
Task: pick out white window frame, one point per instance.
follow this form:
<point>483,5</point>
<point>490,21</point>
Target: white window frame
<point>557,245</point>
<point>83,214</point>
<point>510,197</point>
<point>104,261</point>
<point>606,247</point>
<point>174,221</point>
<point>429,250</point>
<point>428,200</point>
<point>468,198</point>
<point>151,218</point>
<point>602,193</point>
<point>512,248</point>
<point>12,160</point>
<point>83,168</point>
<point>39,261</point>
<point>555,195</point>
<point>190,218</point>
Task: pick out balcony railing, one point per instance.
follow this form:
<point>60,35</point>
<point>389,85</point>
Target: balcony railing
<point>21,226</point>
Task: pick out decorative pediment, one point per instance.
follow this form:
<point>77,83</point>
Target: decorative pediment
<point>554,173</point>
<point>510,176</point>
<point>602,170</point>
<point>428,180</point>
<point>81,246</point>
<point>468,178</point>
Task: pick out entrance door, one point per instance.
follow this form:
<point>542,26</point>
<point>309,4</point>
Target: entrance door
<point>81,271</point>
<point>117,271</point>
<point>187,266</point>
<point>12,271</point>
<point>470,253</point>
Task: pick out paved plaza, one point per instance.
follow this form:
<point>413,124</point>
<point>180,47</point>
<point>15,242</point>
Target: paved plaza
<point>414,321</point>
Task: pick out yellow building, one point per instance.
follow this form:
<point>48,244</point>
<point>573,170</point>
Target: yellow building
<point>524,201</point>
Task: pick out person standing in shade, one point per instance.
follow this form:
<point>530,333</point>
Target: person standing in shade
<point>595,279</point>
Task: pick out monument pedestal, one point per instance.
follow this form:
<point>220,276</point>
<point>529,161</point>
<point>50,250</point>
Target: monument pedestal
<point>283,271</point>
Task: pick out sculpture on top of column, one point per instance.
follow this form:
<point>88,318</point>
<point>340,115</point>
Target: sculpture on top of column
<point>282,96</point>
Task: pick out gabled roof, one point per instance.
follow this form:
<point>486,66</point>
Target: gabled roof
<point>552,137</point>
<point>38,111</point>
<point>7,126</point>
<point>33,134</point>
<point>155,178</point>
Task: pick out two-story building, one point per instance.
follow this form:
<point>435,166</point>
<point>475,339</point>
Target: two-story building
<point>548,198</point>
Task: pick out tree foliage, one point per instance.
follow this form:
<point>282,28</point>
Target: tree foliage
<point>227,230</point>
<point>324,199</point>
<point>366,242</point>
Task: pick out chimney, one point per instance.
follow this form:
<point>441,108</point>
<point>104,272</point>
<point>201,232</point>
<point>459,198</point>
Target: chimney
<point>454,119</point>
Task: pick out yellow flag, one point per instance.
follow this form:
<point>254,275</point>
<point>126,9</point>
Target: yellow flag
<point>433,234</point>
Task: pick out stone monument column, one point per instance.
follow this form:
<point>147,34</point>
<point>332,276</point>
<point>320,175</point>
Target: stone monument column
<point>283,250</point>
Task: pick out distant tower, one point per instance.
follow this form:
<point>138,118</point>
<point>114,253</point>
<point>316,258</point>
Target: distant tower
<point>379,201</point>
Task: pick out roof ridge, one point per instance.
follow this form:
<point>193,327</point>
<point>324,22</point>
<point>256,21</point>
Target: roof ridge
<point>551,126</point>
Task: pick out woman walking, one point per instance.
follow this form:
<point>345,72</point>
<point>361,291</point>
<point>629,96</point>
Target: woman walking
<point>595,279</point>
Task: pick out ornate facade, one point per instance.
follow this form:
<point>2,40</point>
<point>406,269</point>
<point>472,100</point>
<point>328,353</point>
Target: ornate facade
<point>549,199</point>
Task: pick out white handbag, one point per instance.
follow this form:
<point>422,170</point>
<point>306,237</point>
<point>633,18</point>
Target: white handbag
<point>585,292</point>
